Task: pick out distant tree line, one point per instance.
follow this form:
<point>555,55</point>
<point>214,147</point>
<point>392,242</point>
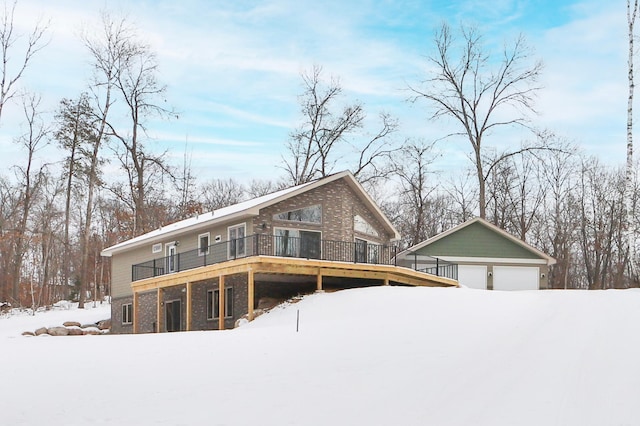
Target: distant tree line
<point>54,221</point>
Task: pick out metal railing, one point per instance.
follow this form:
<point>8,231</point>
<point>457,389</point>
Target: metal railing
<point>442,269</point>
<point>305,247</point>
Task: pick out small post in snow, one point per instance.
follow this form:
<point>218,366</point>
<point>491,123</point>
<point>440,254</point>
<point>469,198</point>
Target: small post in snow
<point>297,320</point>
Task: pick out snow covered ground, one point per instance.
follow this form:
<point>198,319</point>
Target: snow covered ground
<point>375,356</point>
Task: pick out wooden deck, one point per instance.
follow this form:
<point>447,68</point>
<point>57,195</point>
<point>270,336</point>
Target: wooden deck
<point>283,266</point>
<point>295,266</point>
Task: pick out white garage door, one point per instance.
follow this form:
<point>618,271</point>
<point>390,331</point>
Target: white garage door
<point>473,276</point>
<point>515,278</point>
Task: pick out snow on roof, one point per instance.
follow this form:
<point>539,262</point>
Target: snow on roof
<point>249,207</point>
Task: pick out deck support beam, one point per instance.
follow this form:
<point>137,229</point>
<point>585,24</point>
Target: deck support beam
<point>159,309</point>
<point>135,312</point>
<point>250,294</point>
<point>189,306</point>
<point>221,303</point>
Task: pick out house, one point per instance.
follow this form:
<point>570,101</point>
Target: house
<point>208,271</point>
<point>486,256</point>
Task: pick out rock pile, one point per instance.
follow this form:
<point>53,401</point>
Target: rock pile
<point>72,328</point>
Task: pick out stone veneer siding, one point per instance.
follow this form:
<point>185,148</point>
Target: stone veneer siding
<point>147,311</point>
<point>147,306</point>
<point>116,316</point>
<point>199,291</point>
<point>339,206</point>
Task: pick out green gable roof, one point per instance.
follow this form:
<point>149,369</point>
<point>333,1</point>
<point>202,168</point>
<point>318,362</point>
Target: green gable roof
<point>477,240</point>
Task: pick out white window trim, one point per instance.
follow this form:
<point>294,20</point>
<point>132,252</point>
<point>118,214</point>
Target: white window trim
<point>213,298</point>
<point>167,254</point>
<point>284,228</point>
<point>370,230</point>
<point>131,316</point>
<point>166,318</point>
<point>275,218</point>
<point>229,228</point>
<point>368,242</point>
<point>200,252</point>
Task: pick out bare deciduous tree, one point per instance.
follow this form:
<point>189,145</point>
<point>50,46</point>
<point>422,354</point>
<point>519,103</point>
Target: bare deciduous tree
<point>30,177</point>
<point>465,85</point>
<point>320,142</point>
<point>219,193</point>
<point>601,242</point>
<point>462,195</point>
<point>11,72</point>
<point>258,187</point>
<point>128,69</point>
<point>412,167</point>
<point>558,230</point>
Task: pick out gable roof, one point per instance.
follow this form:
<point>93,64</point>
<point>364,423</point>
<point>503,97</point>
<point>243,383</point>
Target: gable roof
<point>519,248</point>
<point>251,208</point>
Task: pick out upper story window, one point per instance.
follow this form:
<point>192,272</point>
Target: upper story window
<point>361,225</point>
<point>311,214</point>
<point>236,238</point>
<point>203,244</point>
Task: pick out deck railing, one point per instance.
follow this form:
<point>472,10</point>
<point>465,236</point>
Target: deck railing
<point>270,245</point>
<point>442,269</point>
<point>307,247</point>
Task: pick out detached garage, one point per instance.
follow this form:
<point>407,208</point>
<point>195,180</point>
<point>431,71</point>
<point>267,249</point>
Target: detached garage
<point>486,256</point>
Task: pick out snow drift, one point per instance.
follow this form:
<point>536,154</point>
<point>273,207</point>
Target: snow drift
<point>375,356</point>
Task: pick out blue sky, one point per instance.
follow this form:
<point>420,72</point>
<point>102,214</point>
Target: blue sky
<point>232,69</point>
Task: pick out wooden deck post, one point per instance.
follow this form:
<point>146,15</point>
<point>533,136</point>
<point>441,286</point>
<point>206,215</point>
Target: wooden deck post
<point>319,281</point>
<point>251,295</point>
<point>158,310</point>
<point>221,303</point>
<point>135,312</point>
<point>189,307</point>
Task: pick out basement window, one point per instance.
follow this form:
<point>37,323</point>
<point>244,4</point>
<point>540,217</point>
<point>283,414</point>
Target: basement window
<point>213,303</point>
<point>127,313</point>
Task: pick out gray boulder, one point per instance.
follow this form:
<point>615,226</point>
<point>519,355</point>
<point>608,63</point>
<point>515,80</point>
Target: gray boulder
<point>104,324</point>
<point>58,331</point>
<point>75,331</point>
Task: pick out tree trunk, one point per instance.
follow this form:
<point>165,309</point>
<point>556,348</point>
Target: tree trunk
<point>628,227</point>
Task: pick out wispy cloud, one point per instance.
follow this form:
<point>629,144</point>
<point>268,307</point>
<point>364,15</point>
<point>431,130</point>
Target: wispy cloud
<point>232,69</point>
